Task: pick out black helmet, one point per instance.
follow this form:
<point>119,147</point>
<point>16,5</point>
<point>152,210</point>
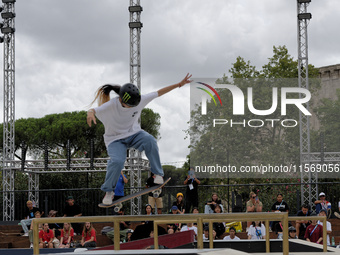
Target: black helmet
<point>291,229</point>
<point>130,95</point>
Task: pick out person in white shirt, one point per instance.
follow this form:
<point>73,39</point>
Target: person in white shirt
<point>257,231</point>
<point>190,226</point>
<point>120,117</point>
<point>232,235</point>
<point>323,212</point>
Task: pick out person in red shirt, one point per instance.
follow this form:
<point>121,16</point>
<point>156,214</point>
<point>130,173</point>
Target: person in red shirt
<point>46,237</point>
<point>88,236</point>
<point>314,232</point>
<point>66,236</point>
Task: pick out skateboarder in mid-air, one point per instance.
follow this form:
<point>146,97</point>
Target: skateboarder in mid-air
<point>122,130</point>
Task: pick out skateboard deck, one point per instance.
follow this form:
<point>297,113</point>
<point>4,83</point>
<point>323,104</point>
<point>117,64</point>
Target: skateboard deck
<point>131,196</point>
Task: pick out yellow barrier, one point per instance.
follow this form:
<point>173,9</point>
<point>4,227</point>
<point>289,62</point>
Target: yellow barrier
<point>182,218</point>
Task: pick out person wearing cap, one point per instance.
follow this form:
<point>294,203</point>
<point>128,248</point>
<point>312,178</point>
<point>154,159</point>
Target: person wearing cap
<point>155,199</point>
<point>322,203</point>
<point>129,233</point>
<point>73,210</point>
<point>314,232</point>
<point>292,233</point>
<point>191,194</point>
<point>174,209</point>
<point>179,203</point>
<point>323,212</point>
<point>28,216</point>
<point>120,116</point>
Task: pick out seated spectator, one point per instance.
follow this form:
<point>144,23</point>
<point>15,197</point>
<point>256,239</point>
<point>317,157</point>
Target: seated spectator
<point>322,203</point>
<point>173,228</point>
<point>55,227</point>
<point>195,210</point>
<point>232,235</point>
<point>206,233</point>
<point>148,209</point>
<point>323,212</point>
<point>253,205</point>
<point>292,233</point>
<point>88,237</point>
<point>314,232</point>
<point>210,205</point>
<point>190,226</point>
<point>37,215</point>
<point>257,231</point>
<point>301,225</point>
<point>46,237</point>
<point>279,206</point>
<point>192,190</point>
<point>128,235</point>
<point>28,216</point>
<point>179,203</point>
<point>219,226</point>
<point>67,234</point>
<point>336,213</point>
<point>174,209</point>
<point>278,228</point>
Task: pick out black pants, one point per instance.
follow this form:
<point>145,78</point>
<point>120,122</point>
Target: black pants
<point>191,201</point>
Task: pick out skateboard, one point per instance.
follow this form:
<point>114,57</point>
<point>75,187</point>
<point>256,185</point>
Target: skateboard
<point>153,189</point>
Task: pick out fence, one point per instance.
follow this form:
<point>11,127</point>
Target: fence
<point>199,218</point>
<point>88,198</point>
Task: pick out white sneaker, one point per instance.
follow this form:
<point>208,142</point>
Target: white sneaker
<point>31,246</point>
<point>107,200</point>
<point>26,234</point>
<point>158,179</point>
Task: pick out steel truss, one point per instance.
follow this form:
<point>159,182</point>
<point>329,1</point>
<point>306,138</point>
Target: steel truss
<point>309,186</point>
<point>9,110</point>
<point>135,77</point>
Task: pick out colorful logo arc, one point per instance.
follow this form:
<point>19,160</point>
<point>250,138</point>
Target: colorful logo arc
<point>207,91</point>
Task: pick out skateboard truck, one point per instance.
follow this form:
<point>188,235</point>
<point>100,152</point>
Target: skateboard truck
<point>156,193</point>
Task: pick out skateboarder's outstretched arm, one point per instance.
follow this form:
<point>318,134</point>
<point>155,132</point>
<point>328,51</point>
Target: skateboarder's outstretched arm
<point>167,89</point>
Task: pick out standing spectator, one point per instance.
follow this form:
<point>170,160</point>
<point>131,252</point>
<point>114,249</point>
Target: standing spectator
<point>46,237</point>
<point>314,232</point>
<point>179,203</point>
<point>257,231</point>
<point>322,203</point>
<point>88,237</point>
<point>210,205</point>
<point>232,235</point>
<point>67,234</point>
<point>73,210</point>
<point>192,190</point>
<point>279,206</point>
<point>292,233</point>
<point>152,200</point>
<point>323,212</point>
<point>253,205</point>
<point>301,225</point>
<point>29,215</point>
<point>119,190</point>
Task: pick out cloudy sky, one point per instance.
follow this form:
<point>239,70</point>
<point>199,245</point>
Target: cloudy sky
<point>66,49</point>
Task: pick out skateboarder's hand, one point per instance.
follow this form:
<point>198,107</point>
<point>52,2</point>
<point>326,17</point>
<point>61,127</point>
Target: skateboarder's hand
<point>91,117</point>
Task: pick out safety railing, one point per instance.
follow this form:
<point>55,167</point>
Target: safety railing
<point>186,218</point>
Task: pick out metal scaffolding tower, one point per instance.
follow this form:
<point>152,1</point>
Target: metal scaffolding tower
<point>8,29</point>
<point>135,77</point>
<point>309,187</point>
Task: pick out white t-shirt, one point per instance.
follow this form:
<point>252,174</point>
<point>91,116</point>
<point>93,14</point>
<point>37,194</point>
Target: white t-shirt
<point>236,238</point>
<point>257,232</point>
<point>121,122</point>
<point>186,228</point>
<point>329,228</point>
